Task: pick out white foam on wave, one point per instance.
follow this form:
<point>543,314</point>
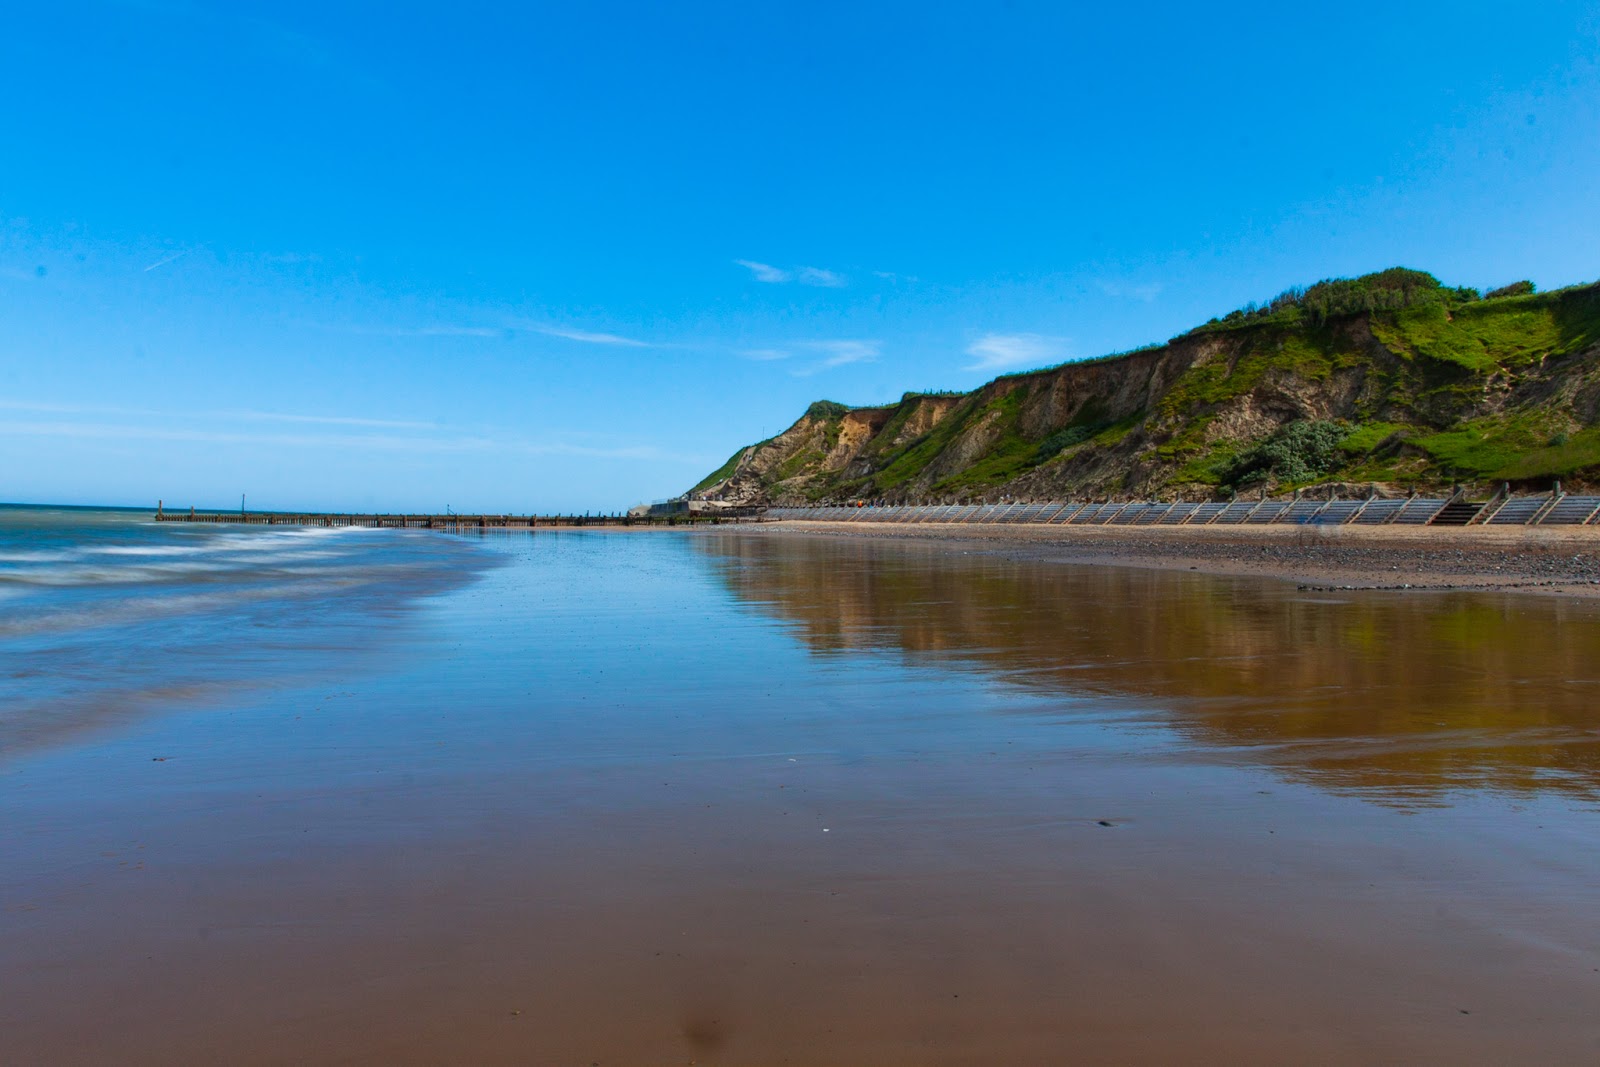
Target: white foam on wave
<point>95,585</point>
<point>145,550</point>
<point>250,558</point>
<point>93,574</point>
<point>145,609</point>
<point>112,613</point>
<point>272,540</point>
<point>37,557</point>
<point>286,553</point>
<point>242,547</point>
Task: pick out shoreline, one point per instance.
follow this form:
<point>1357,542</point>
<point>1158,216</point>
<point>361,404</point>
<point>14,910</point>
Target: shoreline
<point>1557,560</point>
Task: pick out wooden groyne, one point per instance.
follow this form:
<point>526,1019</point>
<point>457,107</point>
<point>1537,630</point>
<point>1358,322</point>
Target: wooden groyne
<point>449,523</point>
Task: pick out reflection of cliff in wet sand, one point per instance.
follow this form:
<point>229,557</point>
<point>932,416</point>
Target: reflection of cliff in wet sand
<point>1561,560</point>
<point>1402,697</point>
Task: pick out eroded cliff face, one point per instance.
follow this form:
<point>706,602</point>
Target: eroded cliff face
<point>1419,397</point>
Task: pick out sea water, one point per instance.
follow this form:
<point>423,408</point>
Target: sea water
<point>107,614</point>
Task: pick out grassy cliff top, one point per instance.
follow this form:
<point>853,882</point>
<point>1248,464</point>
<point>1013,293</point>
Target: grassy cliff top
<point>1392,378</point>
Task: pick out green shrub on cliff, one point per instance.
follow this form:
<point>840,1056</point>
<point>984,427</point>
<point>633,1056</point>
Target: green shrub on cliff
<point>1394,289</point>
<point>827,409</point>
<point>1297,452</point>
<point>1523,288</point>
<point>1061,440</point>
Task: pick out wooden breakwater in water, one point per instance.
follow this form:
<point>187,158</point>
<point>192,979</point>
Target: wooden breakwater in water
<point>448,522</point>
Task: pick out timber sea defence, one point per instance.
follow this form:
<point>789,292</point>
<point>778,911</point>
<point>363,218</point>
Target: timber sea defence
<point>450,522</point>
<point>1551,509</point>
<point>1555,508</point>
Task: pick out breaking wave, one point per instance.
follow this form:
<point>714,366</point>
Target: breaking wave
<point>105,614</point>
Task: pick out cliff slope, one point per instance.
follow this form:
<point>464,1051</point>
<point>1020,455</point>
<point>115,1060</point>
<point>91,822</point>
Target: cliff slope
<point>1390,381</point>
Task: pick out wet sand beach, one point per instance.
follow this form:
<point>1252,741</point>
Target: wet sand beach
<point>1564,560</point>
<point>739,796</point>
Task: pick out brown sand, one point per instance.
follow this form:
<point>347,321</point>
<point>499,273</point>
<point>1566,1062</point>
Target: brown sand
<point>1562,560</point>
<point>1136,816</point>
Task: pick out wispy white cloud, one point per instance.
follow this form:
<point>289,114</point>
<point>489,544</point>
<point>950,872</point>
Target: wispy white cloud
<point>842,352</point>
<point>164,260</point>
<point>838,354</point>
<point>765,355</point>
<point>434,330</point>
<point>229,415</point>
<point>453,331</point>
<point>766,272</point>
<point>85,431</point>
<point>510,329</point>
<point>420,444</point>
<point>66,409</point>
<point>331,433</point>
<point>1005,351</point>
<point>816,277</point>
<point>1146,293</point>
<point>644,452</point>
<point>291,259</point>
<point>587,337</point>
<point>824,279</point>
<point>328,420</point>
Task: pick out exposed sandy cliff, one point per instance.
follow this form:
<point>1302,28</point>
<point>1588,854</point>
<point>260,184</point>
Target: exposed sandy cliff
<point>1389,380</point>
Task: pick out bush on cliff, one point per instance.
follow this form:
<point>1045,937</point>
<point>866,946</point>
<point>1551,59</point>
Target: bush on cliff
<point>1297,452</point>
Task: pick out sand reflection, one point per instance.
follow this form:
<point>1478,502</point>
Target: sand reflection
<point>1405,698</point>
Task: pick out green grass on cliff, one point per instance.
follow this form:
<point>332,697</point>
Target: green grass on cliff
<point>1453,347</point>
<point>1312,354</point>
<point>1481,338</point>
<point>1013,453</point>
<point>798,463</point>
<point>1504,333</point>
<point>1530,445</point>
<point>722,472</point>
<point>909,460</point>
<point>1428,384</point>
<point>1368,436</point>
<point>1580,452</point>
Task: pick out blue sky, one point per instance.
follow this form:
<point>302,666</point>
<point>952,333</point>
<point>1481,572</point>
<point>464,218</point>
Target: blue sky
<point>517,257</point>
